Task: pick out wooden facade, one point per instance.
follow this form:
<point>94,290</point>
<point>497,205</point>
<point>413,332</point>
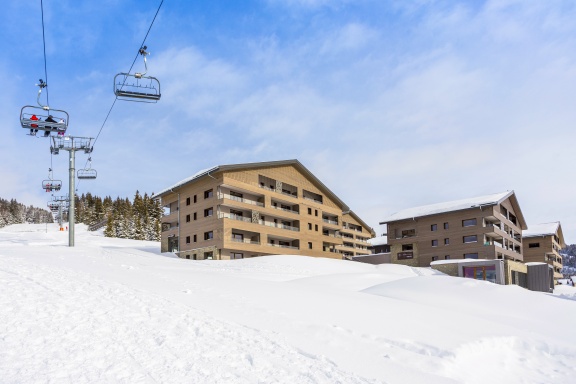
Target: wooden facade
<point>481,231</point>
<point>247,210</point>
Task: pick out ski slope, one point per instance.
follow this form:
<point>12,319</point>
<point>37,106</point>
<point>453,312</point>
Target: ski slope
<point>119,311</point>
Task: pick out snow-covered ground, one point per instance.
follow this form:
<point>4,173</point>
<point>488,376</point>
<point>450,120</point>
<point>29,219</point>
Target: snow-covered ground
<point>118,311</point>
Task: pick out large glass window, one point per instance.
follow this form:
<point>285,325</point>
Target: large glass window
<point>487,273</point>
<point>468,222</point>
<point>470,239</point>
<point>470,255</point>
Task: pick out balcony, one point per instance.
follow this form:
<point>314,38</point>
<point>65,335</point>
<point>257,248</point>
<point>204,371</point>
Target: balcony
<point>225,215</point>
<point>240,199</point>
<point>330,221</point>
<point>333,235</point>
<point>279,225</point>
<point>286,209</point>
<point>245,241</point>
<point>283,246</point>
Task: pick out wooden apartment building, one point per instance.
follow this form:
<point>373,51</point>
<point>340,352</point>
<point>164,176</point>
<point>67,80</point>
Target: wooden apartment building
<point>542,243</point>
<point>246,210</point>
<point>484,227</point>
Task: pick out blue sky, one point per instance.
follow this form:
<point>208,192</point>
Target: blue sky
<point>392,104</point>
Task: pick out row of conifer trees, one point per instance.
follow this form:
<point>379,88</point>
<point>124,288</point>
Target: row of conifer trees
<point>13,212</point>
<point>138,219</point>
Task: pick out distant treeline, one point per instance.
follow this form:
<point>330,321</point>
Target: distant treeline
<point>138,219</point>
<point>13,212</point>
<point>569,260</point>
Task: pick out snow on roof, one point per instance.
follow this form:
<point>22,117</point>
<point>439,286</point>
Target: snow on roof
<point>448,206</point>
<point>536,263</point>
<point>541,229</point>
<point>378,240</point>
<point>184,181</point>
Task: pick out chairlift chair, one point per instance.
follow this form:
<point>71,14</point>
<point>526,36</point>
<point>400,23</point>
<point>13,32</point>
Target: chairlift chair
<point>51,185</point>
<point>87,173</point>
<point>137,87</point>
<point>43,118</point>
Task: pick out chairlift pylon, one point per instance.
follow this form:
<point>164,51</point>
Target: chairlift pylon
<point>43,118</point>
<point>137,87</point>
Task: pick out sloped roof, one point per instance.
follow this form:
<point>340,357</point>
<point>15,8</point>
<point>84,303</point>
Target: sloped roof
<point>381,240</point>
<point>541,229</point>
<point>457,205</point>
<point>545,229</point>
<point>230,167</point>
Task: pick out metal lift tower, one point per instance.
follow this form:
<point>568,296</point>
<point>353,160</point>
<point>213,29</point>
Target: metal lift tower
<point>71,144</point>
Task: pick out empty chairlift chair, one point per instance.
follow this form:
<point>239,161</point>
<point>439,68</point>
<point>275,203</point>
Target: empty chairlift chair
<point>87,173</point>
<point>137,87</point>
<point>43,118</point>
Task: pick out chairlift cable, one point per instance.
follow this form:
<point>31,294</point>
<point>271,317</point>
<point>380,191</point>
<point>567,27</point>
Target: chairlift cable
<point>44,42</point>
<point>130,70</point>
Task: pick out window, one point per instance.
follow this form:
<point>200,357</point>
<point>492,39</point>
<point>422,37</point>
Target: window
<point>409,233</point>
<point>316,227</point>
<point>434,258</point>
<point>533,245</point>
<point>187,201</point>
<point>208,235</point>
<point>310,226</point>
<point>470,239</point>
<point>208,194</point>
<point>446,226</point>
<point>434,227</point>
<point>195,241</point>
<point>446,241</point>
<point>447,257</point>
<point>407,247</point>
<point>235,255</point>
<point>195,200</point>
<point>315,212</point>
<point>468,222</point>
<point>188,241</point>
<point>309,245</point>
<point>238,237</point>
<point>309,211</point>
<point>194,256</point>
<point>208,212</point>
<point>434,243</point>
<point>188,257</point>
<point>487,273</point>
<point>187,218</point>
<point>209,255</point>
<point>470,255</point>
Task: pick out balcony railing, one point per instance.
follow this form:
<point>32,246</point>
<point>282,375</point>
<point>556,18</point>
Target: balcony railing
<point>240,199</point>
<point>286,210</point>
<point>279,225</point>
<point>333,235</point>
<point>282,246</point>
<point>245,241</point>
<point>234,217</point>
<point>330,221</point>
<point>312,199</point>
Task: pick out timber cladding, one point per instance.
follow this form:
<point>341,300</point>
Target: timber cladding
<point>245,212</point>
<point>456,235</point>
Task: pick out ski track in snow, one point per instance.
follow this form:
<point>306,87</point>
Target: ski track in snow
<point>55,332</point>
